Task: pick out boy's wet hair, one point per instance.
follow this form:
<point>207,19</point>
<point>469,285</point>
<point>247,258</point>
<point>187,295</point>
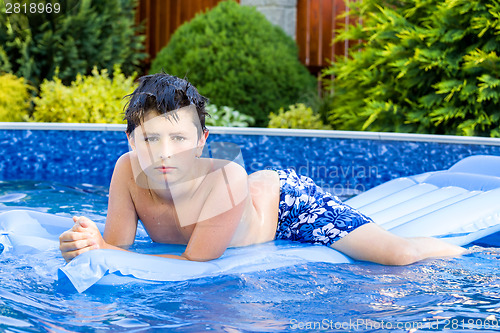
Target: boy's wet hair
<point>162,93</point>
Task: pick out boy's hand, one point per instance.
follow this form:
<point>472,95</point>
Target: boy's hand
<point>83,237</point>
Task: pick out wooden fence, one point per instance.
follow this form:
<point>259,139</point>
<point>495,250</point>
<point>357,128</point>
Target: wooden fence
<point>317,21</point>
<point>163,17</point>
<point>316,24</point>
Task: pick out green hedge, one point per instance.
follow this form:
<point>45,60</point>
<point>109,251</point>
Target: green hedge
<point>426,66</point>
<point>235,57</point>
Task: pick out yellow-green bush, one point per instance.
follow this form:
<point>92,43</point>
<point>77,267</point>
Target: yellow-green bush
<point>298,116</point>
<point>15,98</point>
<point>94,98</point>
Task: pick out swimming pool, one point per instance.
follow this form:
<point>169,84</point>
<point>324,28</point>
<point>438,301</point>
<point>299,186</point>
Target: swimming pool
<point>442,294</point>
<point>344,162</point>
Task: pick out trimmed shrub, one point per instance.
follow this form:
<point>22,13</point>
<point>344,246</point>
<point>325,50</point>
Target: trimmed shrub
<point>426,66</point>
<point>226,116</point>
<point>94,98</point>
<point>297,116</point>
<point>236,57</point>
<point>15,97</point>
<point>84,34</point>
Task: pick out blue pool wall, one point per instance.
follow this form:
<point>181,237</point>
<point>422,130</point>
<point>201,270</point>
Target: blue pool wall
<point>340,161</point>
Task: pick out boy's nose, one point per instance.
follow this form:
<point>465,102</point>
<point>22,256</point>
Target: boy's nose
<point>166,151</point>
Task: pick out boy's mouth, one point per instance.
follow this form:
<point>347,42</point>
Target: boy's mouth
<point>165,169</point>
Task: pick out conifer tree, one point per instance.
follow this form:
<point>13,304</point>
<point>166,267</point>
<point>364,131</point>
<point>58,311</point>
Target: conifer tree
<point>72,38</point>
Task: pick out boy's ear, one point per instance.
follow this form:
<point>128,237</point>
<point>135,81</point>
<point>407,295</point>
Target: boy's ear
<point>203,138</point>
<point>201,142</point>
<point>131,142</point>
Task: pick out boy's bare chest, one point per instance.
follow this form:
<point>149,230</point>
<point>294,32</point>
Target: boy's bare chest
<point>166,222</point>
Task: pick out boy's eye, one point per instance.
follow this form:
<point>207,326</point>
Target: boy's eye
<point>151,138</point>
<point>178,138</point>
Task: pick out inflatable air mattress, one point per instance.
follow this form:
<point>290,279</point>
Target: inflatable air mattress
<point>461,205</point>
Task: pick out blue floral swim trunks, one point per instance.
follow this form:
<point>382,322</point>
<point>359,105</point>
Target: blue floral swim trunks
<point>308,214</point>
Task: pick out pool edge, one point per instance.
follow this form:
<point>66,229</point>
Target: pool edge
<point>390,136</point>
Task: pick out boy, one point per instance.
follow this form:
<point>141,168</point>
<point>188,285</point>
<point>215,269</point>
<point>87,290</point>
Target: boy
<point>211,204</point>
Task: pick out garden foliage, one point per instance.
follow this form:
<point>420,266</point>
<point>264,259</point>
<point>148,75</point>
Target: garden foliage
<point>4,61</point>
<point>425,66</point>
<point>236,57</point>
<point>297,116</point>
<point>227,116</point>
<point>15,97</point>
<point>83,35</point>
<point>94,98</point>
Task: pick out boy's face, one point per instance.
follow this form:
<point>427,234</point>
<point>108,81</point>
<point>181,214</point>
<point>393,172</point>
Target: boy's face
<point>168,145</point>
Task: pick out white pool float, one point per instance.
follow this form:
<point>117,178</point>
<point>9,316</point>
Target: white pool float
<point>460,205</point>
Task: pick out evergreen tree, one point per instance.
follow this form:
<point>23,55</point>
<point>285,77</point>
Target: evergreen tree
<point>75,37</point>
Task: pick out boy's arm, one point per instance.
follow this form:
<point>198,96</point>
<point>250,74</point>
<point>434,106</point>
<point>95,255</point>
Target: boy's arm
<point>121,221</point>
<point>220,216</point>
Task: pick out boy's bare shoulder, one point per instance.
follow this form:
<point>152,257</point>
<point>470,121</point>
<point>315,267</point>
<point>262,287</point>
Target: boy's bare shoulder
<point>124,166</point>
<point>124,158</point>
<point>232,177</point>
<point>231,170</point>
<point>123,162</point>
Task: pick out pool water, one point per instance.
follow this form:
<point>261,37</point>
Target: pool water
<point>460,294</point>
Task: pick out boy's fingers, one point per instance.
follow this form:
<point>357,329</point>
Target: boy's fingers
<point>69,255</point>
<point>70,236</point>
<point>76,245</point>
<point>77,228</point>
<point>78,239</point>
<point>82,221</point>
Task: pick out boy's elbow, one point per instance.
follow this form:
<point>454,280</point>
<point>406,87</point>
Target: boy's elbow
<point>200,258</point>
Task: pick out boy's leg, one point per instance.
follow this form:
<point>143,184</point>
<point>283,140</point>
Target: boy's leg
<point>370,242</point>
